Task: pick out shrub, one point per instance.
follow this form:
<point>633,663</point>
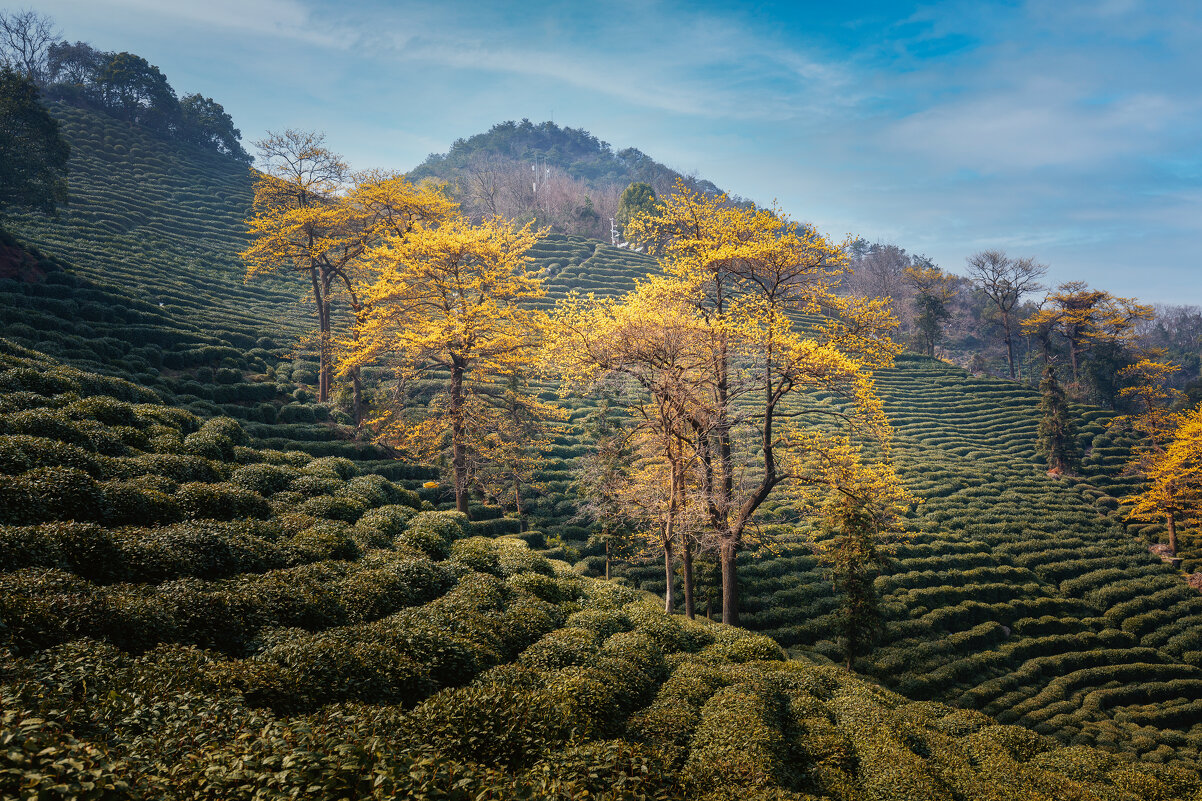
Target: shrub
<point>562,648</point>
<point>433,532</point>
<point>109,411</point>
<point>302,671</point>
<point>50,493</point>
<point>314,486</point>
<point>334,508</point>
<point>549,588</point>
<point>220,501</point>
<point>371,593</point>
<point>738,741</point>
<point>327,540</point>
<point>379,528</point>
<point>21,452</point>
<point>264,479</point>
<point>43,761</point>
<point>177,467</point>
<point>477,553</point>
<point>492,724</point>
<point>133,503</point>
<point>210,445</point>
<point>334,467</point>
<point>49,424</point>
<point>372,490</point>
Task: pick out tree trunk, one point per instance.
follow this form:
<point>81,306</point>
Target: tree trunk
<point>356,379</point>
<point>458,446</point>
<point>686,555</point>
<point>1009,346</point>
<point>357,397</point>
<point>1172,534</point>
<point>730,584</point>
<point>323,338</point>
<point>607,558</point>
<point>669,594</point>
<point>517,502</point>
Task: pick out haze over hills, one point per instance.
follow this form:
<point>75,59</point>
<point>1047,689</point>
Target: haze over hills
<point>212,589</point>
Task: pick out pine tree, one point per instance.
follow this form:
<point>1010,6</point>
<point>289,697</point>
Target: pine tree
<point>1057,437</point>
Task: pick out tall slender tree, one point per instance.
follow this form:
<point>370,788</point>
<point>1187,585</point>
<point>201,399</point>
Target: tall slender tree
<point>1005,281</point>
<point>450,301</point>
<point>860,505</point>
<point>749,272</point>
<point>933,290</point>
<point>1154,419</point>
<point>33,153</point>
<point>1057,439</point>
<point>1174,488</point>
<point>313,217</point>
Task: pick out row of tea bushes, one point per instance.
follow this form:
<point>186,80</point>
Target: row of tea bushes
<point>1009,581</point>
<point>574,689</point>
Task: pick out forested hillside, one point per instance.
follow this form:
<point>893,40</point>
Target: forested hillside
<point>211,588</point>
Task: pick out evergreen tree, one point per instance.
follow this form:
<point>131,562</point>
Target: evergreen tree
<point>33,154</point>
<point>1057,438</point>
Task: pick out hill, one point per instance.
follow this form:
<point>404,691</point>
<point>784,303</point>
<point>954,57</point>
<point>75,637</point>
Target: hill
<point>573,151</point>
<point>228,533</point>
<point>561,177</point>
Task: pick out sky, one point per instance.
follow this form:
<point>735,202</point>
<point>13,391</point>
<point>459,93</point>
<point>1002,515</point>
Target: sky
<point>1070,132</point>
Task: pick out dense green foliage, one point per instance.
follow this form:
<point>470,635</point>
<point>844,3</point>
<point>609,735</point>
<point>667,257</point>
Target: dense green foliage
<point>33,154</point>
<point>130,88</point>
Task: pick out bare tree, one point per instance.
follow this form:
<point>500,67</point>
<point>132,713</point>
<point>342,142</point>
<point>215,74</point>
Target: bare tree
<point>486,184</point>
<point>1005,281</point>
<point>25,37</point>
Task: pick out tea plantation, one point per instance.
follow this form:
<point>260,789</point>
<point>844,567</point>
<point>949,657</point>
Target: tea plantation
<point>188,617</point>
<point>210,589</point>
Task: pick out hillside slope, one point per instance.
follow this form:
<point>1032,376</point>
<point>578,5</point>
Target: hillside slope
<point>1020,595</point>
<point>186,617</point>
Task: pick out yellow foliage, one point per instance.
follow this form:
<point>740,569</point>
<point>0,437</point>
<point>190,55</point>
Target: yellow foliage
<point>453,298</point>
<point>1175,476</point>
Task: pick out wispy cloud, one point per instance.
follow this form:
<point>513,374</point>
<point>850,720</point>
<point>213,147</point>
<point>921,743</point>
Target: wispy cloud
<point>1067,130</point>
<point>280,19</point>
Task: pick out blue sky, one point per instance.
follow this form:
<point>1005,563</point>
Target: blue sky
<point>1068,131</point>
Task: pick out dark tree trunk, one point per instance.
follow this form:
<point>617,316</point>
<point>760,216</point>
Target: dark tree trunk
<point>1009,346</point>
<point>323,337</point>
<point>607,559</point>
<point>1172,521</point>
<point>517,502</point>
<point>669,590</point>
<point>356,380</point>
<point>730,584</point>
<point>458,434</point>
<point>686,555</point>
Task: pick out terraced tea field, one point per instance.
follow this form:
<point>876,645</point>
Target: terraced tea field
<point>1019,595</point>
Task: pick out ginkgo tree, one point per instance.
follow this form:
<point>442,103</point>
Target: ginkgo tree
<point>742,278</point>
<point>655,340</point>
<point>1174,488</point>
<point>312,216</point>
<point>1154,419</point>
<point>449,302</point>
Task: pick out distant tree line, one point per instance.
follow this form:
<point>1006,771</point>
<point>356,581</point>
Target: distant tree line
<point>123,85</point>
<point>999,318</point>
